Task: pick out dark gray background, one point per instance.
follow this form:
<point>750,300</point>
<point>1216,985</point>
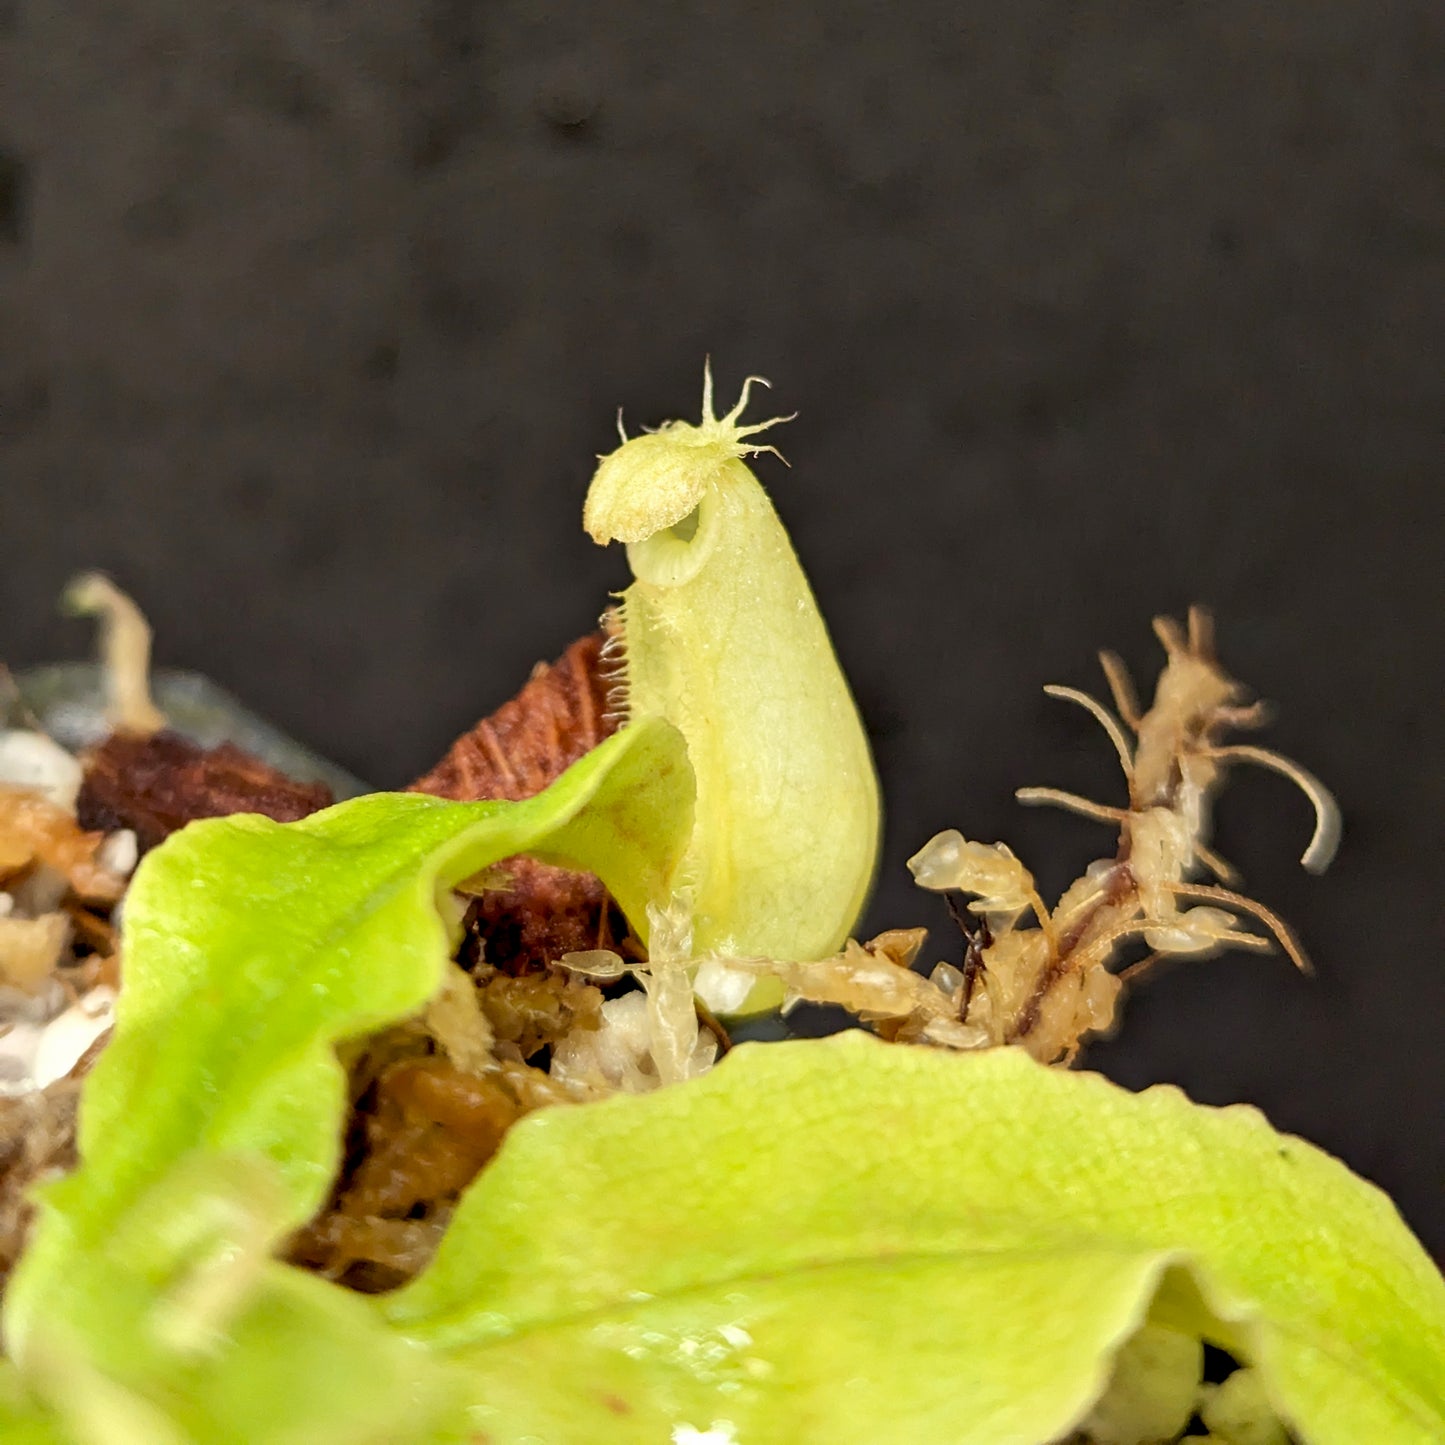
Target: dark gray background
<point>313,316</point>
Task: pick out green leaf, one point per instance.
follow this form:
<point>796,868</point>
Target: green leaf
<point>847,1241</point>
<point>23,1421</point>
<point>211,1125</point>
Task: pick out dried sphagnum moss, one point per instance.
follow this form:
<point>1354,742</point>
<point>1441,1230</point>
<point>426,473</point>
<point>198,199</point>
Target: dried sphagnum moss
<point>1046,987</point>
<point>431,1101</point>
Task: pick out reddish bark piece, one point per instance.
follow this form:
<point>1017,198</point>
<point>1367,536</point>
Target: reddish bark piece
<point>559,715</point>
<point>157,784</point>
<point>529,742</point>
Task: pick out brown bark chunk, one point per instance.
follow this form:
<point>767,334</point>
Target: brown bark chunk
<point>157,784</point>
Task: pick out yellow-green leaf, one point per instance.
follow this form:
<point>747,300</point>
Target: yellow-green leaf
<point>850,1242</point>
